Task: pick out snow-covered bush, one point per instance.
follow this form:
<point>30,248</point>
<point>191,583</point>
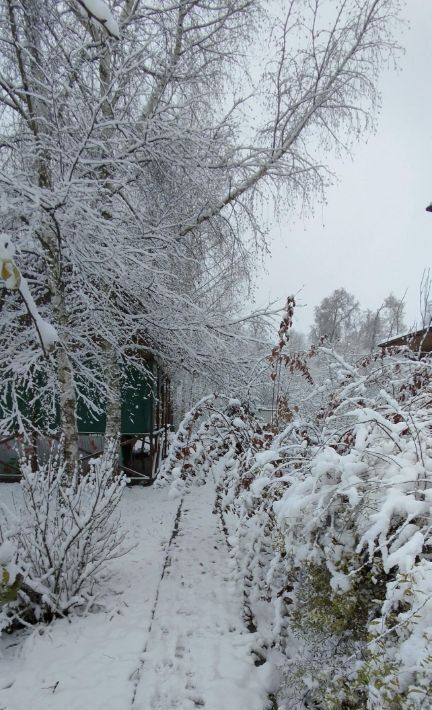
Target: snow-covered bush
<point>334,540</point>
<point>59,538</point>
<point>216,428</point>
<point>181,464</point>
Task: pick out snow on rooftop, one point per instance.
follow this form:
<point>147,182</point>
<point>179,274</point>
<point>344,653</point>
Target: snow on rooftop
<point>408,335</point>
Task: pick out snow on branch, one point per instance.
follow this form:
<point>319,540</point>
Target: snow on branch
<point>99,11</point>
<point>15,281</point>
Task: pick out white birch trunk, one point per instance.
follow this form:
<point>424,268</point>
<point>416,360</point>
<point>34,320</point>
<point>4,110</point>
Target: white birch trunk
<point>65,376</point>
<point>32,77</point>
<point>113,405</point>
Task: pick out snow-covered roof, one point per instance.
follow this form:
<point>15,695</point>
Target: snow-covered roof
<point>411,336</point>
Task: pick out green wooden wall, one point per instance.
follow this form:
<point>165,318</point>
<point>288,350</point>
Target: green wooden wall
<point>137,406</point>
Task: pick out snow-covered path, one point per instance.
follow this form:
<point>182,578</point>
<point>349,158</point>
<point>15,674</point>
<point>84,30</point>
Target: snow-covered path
<point>198,653</point>
<point>174,635</point>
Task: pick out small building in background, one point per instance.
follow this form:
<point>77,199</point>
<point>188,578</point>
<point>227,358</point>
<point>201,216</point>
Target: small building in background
<point>419,341</point>
<point>146,419</point>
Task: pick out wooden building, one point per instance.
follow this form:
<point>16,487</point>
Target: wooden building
<point>419,341</point>
<point>146,419</point>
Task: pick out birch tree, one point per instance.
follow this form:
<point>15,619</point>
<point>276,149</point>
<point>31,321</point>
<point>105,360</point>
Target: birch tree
<point>337,316</point>
<point>135,144</point>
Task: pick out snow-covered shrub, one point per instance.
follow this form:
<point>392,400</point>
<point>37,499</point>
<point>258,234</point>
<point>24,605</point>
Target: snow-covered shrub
<point>60,535</point>
<point>334,540</point>
<point>182,462</point>
<point>214,429</point>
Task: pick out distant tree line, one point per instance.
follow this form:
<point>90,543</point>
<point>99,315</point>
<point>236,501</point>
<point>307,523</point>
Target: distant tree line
<point>340,318</point>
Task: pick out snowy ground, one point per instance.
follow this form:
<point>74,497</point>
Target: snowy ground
<point>171,635</point>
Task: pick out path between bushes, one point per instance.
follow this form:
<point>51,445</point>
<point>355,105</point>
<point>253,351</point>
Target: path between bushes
<point>171,636</point>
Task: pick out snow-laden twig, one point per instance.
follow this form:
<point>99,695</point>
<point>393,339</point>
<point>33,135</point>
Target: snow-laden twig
<point>15,281</point>
<point>99,11</point>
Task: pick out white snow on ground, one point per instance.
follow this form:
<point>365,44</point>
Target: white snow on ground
<point>199,653</point>
<point>171,635</point>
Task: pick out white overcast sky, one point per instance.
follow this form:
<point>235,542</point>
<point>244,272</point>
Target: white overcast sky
<point>373,236</point>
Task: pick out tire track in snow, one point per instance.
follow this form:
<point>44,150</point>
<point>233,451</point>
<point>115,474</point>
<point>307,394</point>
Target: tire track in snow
<point>136,674</point>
